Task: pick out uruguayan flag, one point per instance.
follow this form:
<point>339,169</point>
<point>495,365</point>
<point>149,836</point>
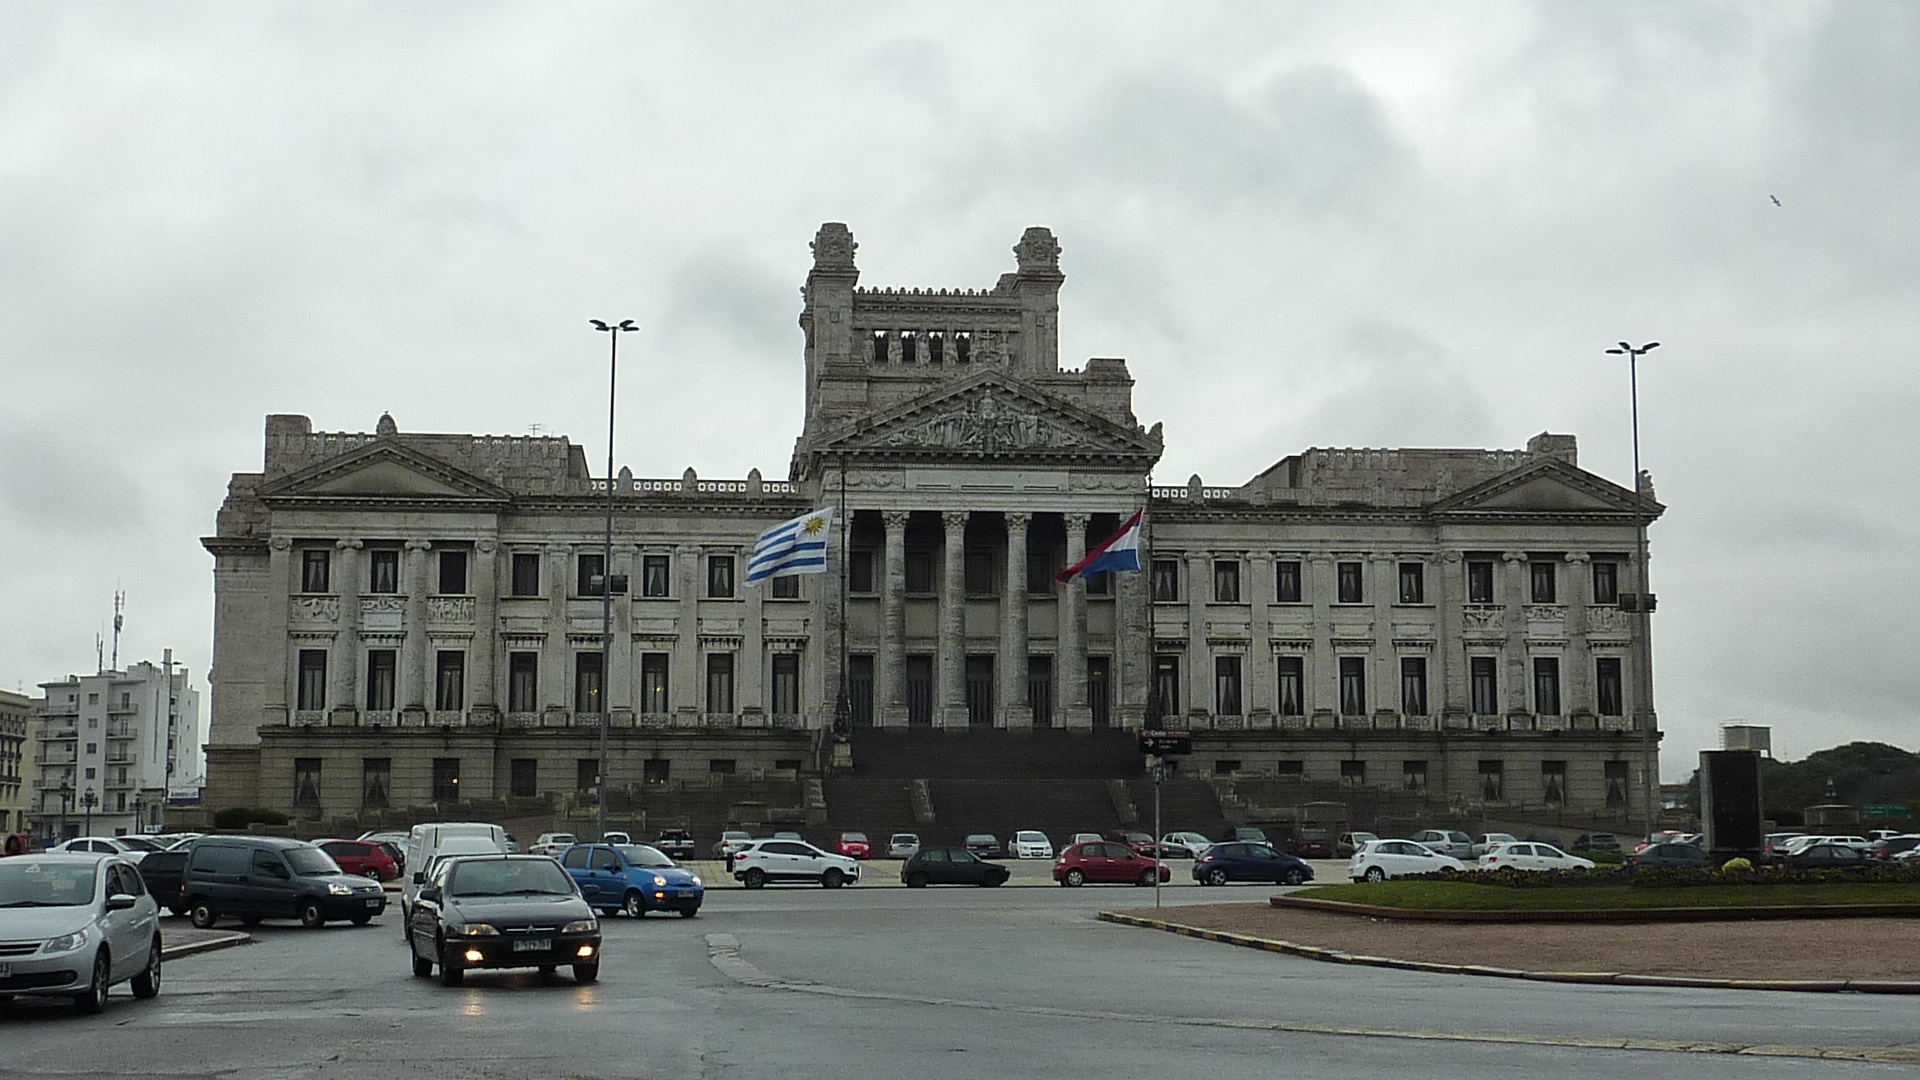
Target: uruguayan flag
<point>795,547</point>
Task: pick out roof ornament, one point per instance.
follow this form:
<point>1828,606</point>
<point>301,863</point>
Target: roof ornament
<point>386,426</point>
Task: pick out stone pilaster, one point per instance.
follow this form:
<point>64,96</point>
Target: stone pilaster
<point>1449,590</point>
<point>1198,687</point>
<point>1514,655</point>
<point>1133,639</point>
<point>953,620</point>
<point>344,696</point>
<point>484,655</point>
<point>1576,670</point>
<point>556,655</point>
<point>619,647</point>
<point>1015,711</point>
<point>418,690</point>
<point>1071,669</point>
<point>892,706</point>
<point>1384,678</point>
<point>687,681</point>
<point>279,691</point>
<point>1323,667</point>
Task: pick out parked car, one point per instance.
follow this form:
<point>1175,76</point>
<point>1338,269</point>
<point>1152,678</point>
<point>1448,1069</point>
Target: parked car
<point>362,857</point>
<point>1600,841</point>
<point>1776,841</point>
<point>394,840</point>
<point>1487,841</point>
<point>793,860</point>
<point>1670,855</point>
<point>1313,843</point>
<point>1452,843</point>
<point>76,924</point>
<point>164,872</point>
<point>677,844</point>
<point>1031,844</point>
<point>1378,860</point>
<point>1888,847</point>
<point>1257,836</point>
<point>616,836</point>
<point>983,845</point>
<point>1825,857</point>
<point>502,911</point>
<point>633,878</point>
<point>272,877</point>
<point>950,866</point>
<point>1184,845</point>
<point>1105,861</point>
<point>723,848</point>
<point>552,843</point>
<point>1244,861</point>
<point>1085,838</point>
<point>1349,842</point>
<point>1138,841</point>
<point>788,834</point>
<point>1525,856</point>
<point>902,845</point>
<point>854,845</point>
<point>174,840</point>
<point>131,848</point>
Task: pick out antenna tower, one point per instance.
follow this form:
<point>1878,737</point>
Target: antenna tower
<point>119,602</point>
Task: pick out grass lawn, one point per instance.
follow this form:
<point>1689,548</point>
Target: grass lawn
<point>1467,896</point>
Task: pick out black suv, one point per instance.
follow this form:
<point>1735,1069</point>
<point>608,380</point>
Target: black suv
<point>270,877</point>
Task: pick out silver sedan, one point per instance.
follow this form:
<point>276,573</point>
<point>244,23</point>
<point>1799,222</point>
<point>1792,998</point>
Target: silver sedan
<point>75,925</point>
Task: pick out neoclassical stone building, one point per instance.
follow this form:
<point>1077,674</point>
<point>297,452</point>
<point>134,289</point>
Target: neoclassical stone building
<point>410,617</point>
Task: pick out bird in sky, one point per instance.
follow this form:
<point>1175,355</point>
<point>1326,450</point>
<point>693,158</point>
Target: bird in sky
<point>1775,198</point>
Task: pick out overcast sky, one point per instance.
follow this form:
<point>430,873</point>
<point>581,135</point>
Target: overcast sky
<point>1304,224</point>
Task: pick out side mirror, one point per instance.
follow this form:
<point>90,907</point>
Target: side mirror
<point>121,901</point>
<point>419,877</point>
<point>429,895</point>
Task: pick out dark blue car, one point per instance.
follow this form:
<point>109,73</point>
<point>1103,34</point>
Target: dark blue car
<point>633,878</point>
<point>1249,862</point>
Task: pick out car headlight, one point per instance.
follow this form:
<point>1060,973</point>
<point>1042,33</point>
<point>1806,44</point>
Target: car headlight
<point>65,942</point>
<point>581,926</point>
<point>338,889</point>
<point>478,929</point>
<point>696,879</point>
<point>659,882</point>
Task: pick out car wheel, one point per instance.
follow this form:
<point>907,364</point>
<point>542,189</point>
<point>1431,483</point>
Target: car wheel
<point>832,879</point>
<point>450,972</point>
<point>1076,877</point>
<point>1216,876</point>
<point>916,881</point>
<point>1146,878</point>
<point>1374,873</point>
<point>361,920</point>
<point>586,973</point>
<point>311,916</point>
<point>993,881</point>
<point>688,913</point>
<point>147,983</point>
<point>755,878</point>
<point>636,905</point>
<point>1293,877</point>
<point>372,873</point>
<point>94,997</point>
<point>203,914</point>
<point>422,967</point>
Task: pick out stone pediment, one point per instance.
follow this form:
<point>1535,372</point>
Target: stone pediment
<point>1546,486</point>
<point>384,471</point>
<point>991,416</point>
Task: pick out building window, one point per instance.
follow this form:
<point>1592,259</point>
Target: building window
<point>1413,685</point>
<point>523,778</point>
<point>786,587</point>
<point>453,572</point>
<point>719,682</point>
<point>1413,776</point>
<point>446,779</point>
<point>656,576</point>
<point>1286,582</point>
<point>786,684</point>
<point>860,571</point>
<point>653,683</point>
<point>306,784</point>
<point>586,773</point>
<point>1413,583</point>
<point>1541,573</point>
<point>376,783</point>
<point>1099,583</point>
<point>383,570</point>
<point>919,691</point>
<point>1616,776</point>
<point>1353,774</point>
<point>1347,576</point>
<point>382,665</point>
<point>1226,685</point>
<point>979,573</point>
<point>586,682</point>
<point>1546,685</point>
<point>523,682</point>
<point>1493,783</point>
<point>526,573</point>
<point>312,688</point>
<point>860,690</point>
<point>720,577</point>
<point>1607,685</point>
<point>1479,582</point>
<point>656,770</point>
<point>979,691</point>
<point>1039,573</point>
<point>919,572</point>
<point>1166,687</point>
<point>590,573</point>
<point>1553,782</point>
<point>1100,690</point>
<point>1293,686</point>
<point>1353,686</point>
<point>1040,689</point>
<point>1606,582</point>
<point>315,564</point>
<point>1484,684</point>
<point>1225,766</point>
<point>1291,770</point>
<point>720,766</point>
<point>450,681</point>
<point>1166,580</point>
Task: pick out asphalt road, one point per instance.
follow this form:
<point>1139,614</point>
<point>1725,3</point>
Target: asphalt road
<point>936,983</point>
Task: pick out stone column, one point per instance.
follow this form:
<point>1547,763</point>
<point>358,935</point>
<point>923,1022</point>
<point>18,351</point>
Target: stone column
<point>419,661</point>
<point>1133,639</point>
<point>618,680</point>
<point>1071,666</point>
<point>556,655</point>
<point>483,658</point>
<point>1323,667</point>
<point>279,692</point>
<point>952,706</point>
<point>892,707</point>
<point>1385,678</point>
<point>1260,674</point>
<point>344,696</point>
<point>1515,652</point>
<point>1015,710</point>
<point>1449,592</point>
<point>1198,688</point>
<point>1576,668</point>
<point>751,685</point>
<point>687,678</point>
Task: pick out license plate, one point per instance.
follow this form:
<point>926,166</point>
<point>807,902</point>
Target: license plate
<point>533,945</point>
<point>374,901</point>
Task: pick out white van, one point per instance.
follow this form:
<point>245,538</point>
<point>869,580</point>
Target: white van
<point>426,843</point>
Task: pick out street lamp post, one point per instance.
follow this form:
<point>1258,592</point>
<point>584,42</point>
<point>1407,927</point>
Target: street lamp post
<point>139,814</point>
<point>1642,599</point>
<point>87,801</point>
<point>65,792</point>
<point>613,332</point>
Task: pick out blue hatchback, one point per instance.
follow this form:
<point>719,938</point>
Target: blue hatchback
<point>1249,862</point>
<point>633,878</point>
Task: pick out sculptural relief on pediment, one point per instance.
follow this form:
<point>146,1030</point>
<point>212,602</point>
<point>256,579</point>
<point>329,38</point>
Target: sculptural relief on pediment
<point>987,424</point>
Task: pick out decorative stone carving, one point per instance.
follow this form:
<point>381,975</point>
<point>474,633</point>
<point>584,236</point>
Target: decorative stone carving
<point>450,609</point>
<point>348,545</point>
<point>833,247</point>
<point>1480,616</point>
<point>315,608</point>
<point>1037,250</point>
<point>1606,620</point>
<point>1546,613</point>
<point>280,543</point>
<point>987,425</point>
<point>485,547</point>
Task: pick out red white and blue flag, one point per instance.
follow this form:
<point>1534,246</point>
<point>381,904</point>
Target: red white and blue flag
<point>1118,552</point>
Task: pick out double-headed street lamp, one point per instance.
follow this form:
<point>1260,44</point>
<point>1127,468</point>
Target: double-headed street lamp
<point>88,800</point>
<point>1642,599</point>
<point>613,332</point>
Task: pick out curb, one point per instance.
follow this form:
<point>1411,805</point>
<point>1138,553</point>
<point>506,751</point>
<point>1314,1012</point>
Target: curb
<point>223,940</point>
<point>1591,978</point>
<point>1607,915</point>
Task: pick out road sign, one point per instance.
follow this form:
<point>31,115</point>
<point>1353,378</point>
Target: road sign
<point>1163,743</point>
<point>1886,810</point>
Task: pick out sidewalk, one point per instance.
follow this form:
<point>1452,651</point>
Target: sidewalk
<point>186,940</point>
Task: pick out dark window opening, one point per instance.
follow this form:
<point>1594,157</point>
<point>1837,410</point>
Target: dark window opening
<point>376,782</point>
<point>1166,580</point>
<point>383,571</point>
<point>446,779</point>
<point>656,576</point>
<point>920,691</point>
<point>1226,581</point>
<point>1348,581</point>
<point>860,690</point>
<point>719,683</point>
<point>860,572</point>
<point>919,572</point>
<point>1226,685</point>
<point>1286,582</point>
<point>590,577</point>
<point>1413,775</point>
<point>587,683</point>
<point>1353,686</point>
<point>1553,782</point>
<point>721,766</point>
<point>786,684</point>
<point>523,778</point>
<point>1493,782</point>
<point>586,773</point>
<point>306,783</point>
<point>1544,581</point>
<point>1100,690</point>
<point>1293,686</point>
<point>1479,582</point>
<point>979,573</point>
<point>979,689</point>
<point>786,587</point>
<point>312,688</point>
<point>1484,684</point>
<point>523,682</point>
<point>1413,685</point>
<point>315,570</point>
<point>653,683</point>
<point>1616,777</point>
<point>720,576</point>
<point>382,667</point>
<point>453,572</point>
<point>1164,699</point>
<point>1040,689</point>
<point>1606,583</point>
<point>1546,685</point>
<point>1413,583</point>
<point>1353,774</point>
<point>1608,685</point>
<point>526,573</point>
<point>450,681</point>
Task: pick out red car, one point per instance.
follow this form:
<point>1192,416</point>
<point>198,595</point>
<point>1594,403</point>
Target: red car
<point>364,857</point>
<point>1103,860</point>
<point>853,845</point>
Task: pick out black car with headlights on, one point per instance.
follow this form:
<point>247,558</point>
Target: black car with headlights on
<point>502,911</point>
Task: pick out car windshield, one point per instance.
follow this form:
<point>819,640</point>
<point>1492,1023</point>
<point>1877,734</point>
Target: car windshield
<point>854,837</point>
<point>140,843</point>
<point>26,883</point>
<point>650,858</point>
<point>311,862</point>
<point>1030,837</point>
<point>562,838</point>
<point>979,838</point>
<point>509,877</point>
